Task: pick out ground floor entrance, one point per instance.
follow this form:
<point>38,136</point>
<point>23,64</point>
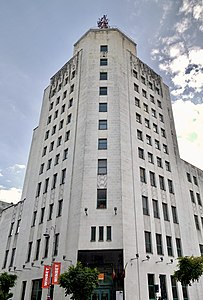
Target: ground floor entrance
<point>101,294</point>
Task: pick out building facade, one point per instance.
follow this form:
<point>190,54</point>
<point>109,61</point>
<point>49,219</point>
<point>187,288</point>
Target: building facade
<point>105,183</point>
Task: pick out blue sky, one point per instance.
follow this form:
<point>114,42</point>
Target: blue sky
<point>37,38</point>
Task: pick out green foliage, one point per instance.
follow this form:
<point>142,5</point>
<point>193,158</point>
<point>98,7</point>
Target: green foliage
<point>190,269</point>
<point>79,281</point>
<point>7,281</point>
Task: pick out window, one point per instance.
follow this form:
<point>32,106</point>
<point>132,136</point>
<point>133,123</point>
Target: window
<point>101,233</point>
<point>159,244</point>
<point>155,128</point>
<point>145,106</point>
<point>102,144</point>
<point>139,134</point>
<point>155,208</point>
<point>44,151</point>
<point>69,118</point>
<point>162,183</point>
<point>148,244</point>
<point>56,244</point>
<point>46,184</point>
<point>148,140</point>
<point>38,189</point>
<point>65,154</point>
<point>145,207</point>
<point>108,233</point>
<point>147,124</point>
<point>54,180</point>
<point>51,206</point>
<point>150,85</point>
<point>42,215</point>
<point>152,179</point>
<point>163,287</point>
<point>151,284</point>
<point>51,105</point>
<point>61,124</point>
<point>143,175</point>
<point>201,249</point>
<point>103,62</point>
<point>159,162</point>
<point>63,108</point>
<point>170,186</point>
<point>46,246</point>
<point>153,113</point>
<point>196,222</point>
<point>49,164</point>
<point>49,120</point>
<point>57,100</point>
<point>192,197</point>
<point>174,214</point>
<point>165,148</point>
<point>165,211</point>
<point>135,73</point>
<point>103,76</point>
<point>29,251</point>
<point>60,206</point>
<point>70,103</point>
<point>159,104</point>
<point>195,180</point>
<point>18,227</point>
<point>136,87</point>
<point>144,93</point>
<point>73,75</point>
<point>93,234</point>
<point>46,134</point>
<point>199,199</point>
<point>34,218</point>
<point>137,102</point>
<point>168,166</point>
<point>37,249</point>
<point>57,159</point>
<point>66,80</point>
<point>143,80</point>
<point>102,107</point>
<point>169,245</point>
<point>157,90</point>
<point>185,292</point>
<point>152,98</point>
<point>71,88</point>
<point>11,229</point>
<point>150,158</point>
<point>138,118</point>
<point>53,130</point>
<point>67,135</point>
<point>102,166</point>
<point>103,91</point>
<point>188,177</point>
<point>140,153</point>
<point>59,141</point>
<point>102,124</point>
<point>5,259</point>
<point>64,95</point>
<point>157,144</point>
<point>101,198</point>
<point>59,87</point>
<point>12,257</point>
<point>178,247</point>
<point>36,289</point>
<point>56,114</point>
<point>104,48</point>
<point>161,118</point>
<point>51,147</point>
<point>63,176</point>
<point>163,133</point>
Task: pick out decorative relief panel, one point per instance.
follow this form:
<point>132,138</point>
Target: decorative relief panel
<point>101,181</point>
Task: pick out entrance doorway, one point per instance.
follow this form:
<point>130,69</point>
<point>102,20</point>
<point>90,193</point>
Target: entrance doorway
<point>101,294</point>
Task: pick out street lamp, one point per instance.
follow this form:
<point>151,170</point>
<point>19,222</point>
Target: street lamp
<point>47,234</point>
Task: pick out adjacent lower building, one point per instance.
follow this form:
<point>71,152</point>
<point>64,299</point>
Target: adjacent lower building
<point>105,183</point>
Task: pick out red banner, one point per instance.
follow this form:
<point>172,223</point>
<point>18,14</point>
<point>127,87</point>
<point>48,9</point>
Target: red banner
<point>46,277</point>
<point>56,270</point>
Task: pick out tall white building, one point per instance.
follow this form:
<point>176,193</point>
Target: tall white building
<point>105,181</point>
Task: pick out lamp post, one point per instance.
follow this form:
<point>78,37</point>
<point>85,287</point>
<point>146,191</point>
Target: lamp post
<point>47,234</point>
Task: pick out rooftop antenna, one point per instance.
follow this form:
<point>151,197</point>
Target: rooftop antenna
<point>103,22</point>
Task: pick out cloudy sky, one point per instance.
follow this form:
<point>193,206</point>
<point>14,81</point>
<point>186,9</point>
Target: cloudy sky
<point>37,37</point>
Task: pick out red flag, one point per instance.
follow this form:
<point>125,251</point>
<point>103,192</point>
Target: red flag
<point>113,274</point>
<point>46,277</point>
<point>56,270</point>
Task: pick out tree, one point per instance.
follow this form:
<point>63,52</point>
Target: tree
<point>190,269</point>
<point>7,281</point>
<point>79,281</point>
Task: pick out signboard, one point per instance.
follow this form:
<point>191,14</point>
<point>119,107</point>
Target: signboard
<point>101,276</point>
<point>56,270</point>
<point>46,277</point>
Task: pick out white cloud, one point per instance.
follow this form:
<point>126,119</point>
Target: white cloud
<point>198,12</point>
<point>189,122</point>
<point>10,195</point>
